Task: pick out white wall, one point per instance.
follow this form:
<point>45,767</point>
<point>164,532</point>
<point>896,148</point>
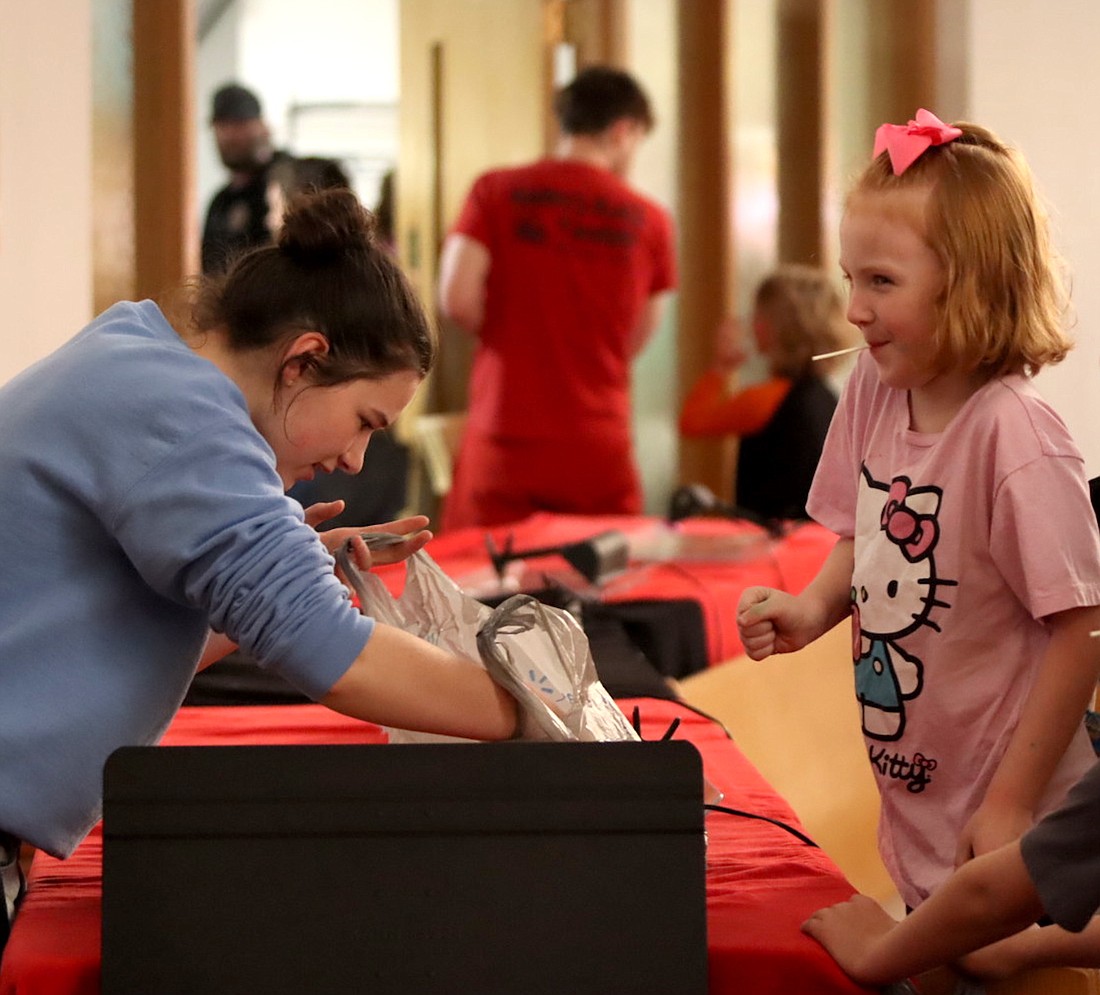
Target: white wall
<point>1034,77</point>
<point>343,50</point>
<point>45,176</point>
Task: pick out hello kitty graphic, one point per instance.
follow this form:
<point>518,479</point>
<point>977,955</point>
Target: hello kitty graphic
<point>895,589</point>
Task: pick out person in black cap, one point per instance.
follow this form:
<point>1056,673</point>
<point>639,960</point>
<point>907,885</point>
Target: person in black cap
<point>237,218</point>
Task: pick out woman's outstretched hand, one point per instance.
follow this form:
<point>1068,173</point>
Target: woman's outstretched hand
<point>414,529</point>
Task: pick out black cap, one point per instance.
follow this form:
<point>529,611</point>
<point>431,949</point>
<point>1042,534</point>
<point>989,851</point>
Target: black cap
<point>235,103</point>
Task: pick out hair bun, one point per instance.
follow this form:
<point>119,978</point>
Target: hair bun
<point>322,226</point>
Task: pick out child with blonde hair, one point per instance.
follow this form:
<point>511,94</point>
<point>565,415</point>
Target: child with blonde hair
<point>782,420</point>
<point>968,555</point>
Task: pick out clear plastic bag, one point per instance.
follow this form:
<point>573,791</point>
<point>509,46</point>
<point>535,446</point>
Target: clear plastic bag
<point>538,653</point>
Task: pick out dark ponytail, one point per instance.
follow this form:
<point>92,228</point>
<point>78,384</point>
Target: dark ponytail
<point>327,272</point>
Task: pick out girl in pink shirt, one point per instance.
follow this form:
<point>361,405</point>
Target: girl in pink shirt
<point>968,554</point>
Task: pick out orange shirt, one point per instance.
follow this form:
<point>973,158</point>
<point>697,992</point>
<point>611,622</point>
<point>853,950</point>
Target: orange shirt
<point>710,409</point>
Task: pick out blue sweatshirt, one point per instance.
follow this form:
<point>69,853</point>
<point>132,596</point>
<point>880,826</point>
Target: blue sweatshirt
<point>140,507</point>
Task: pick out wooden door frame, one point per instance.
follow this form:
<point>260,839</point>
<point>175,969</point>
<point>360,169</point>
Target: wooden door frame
<point>707,258</point>
<point>165,235</point>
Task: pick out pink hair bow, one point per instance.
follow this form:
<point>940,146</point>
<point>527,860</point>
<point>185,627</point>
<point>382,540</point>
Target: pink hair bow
<point>907,142</point>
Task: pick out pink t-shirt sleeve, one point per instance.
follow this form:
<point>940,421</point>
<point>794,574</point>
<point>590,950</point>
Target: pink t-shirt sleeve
<point>1029,538</point>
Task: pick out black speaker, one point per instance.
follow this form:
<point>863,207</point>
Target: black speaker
<point>453,868</point>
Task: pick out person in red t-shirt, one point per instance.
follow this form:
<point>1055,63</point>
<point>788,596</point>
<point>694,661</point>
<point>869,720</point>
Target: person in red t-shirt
<point>557,267</point>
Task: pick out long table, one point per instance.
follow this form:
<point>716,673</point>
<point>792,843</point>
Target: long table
<point>762,881</point>
<point>670,613</point>
<point>707,560</point>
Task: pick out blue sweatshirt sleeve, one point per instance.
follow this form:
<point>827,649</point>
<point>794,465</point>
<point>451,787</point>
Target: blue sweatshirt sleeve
<point>207,525</point>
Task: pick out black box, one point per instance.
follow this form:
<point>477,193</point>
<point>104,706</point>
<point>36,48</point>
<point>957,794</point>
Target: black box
<point>510,868</point>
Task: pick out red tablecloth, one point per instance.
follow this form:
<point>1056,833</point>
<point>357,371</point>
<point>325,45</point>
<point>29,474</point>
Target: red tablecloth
<point>709,560</point>
<point>761,881</point>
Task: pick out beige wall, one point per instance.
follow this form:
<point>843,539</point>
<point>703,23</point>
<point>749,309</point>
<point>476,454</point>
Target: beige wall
<point>471,98</point>
<point>113,153</point>
<point>45,176</point>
